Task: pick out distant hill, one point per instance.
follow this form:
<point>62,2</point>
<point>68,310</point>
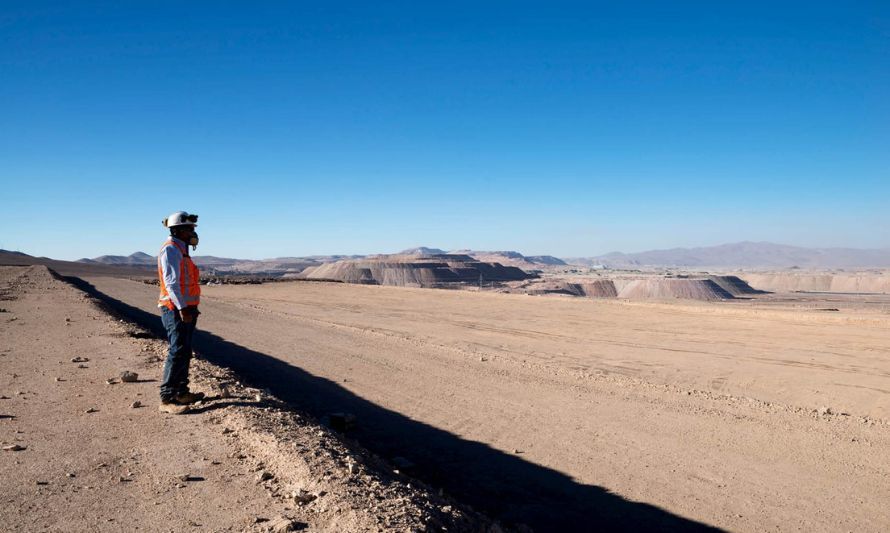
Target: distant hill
<point>212,260</point>
<point>546,260</point>
<point>76,268</point>
<point>138,258</point>
<point>415,270</point>
<point>423,250</point>
<point>329,258</point>
<point>751,255</point>
<point>744,255</point>
<point>210,264</point>
<point>504,257</point>
<point>291,264</point>
<point>512,258</point>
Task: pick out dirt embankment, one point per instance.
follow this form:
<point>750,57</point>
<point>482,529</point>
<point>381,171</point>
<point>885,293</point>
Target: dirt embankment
<point>735,286</point>
<point>85,451</point>
<point>650,288</point>
<point>592,289</point>
<point>415,271</point>
<point>870,283</point>
<point>660,289</point>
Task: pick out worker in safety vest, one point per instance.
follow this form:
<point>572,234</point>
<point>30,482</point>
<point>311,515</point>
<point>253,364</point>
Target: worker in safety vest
<point>178,302</point>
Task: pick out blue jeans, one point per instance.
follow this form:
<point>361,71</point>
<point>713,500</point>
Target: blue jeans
<point>176,369</point>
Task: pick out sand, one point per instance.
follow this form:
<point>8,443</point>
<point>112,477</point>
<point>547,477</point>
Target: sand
<point>92,462</point>
<point>577,413</point>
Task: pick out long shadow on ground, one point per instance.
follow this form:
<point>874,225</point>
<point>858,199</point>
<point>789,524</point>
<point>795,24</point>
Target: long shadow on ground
<point>504,486</point>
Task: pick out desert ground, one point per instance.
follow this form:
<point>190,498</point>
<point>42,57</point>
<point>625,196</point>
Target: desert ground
<point>85,451</point>
<point>540,412</point>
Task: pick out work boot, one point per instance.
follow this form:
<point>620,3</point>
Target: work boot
<point>188,397</point>
<point>173,408</point>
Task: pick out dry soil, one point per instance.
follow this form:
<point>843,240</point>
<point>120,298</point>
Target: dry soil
<point>83,451</point>
<point>560,413</point>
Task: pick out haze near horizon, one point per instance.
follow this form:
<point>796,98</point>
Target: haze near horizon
<point>570,130</point>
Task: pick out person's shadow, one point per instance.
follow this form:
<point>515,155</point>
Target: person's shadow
<point>503,486</point>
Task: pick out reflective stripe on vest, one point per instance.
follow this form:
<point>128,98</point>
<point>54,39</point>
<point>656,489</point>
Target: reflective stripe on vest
<point>189,276</point>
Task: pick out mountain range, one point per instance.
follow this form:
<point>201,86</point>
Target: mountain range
<point>220,265</point>
<point>744,255</point>
<point>747,255</point>
<point>280,265</point>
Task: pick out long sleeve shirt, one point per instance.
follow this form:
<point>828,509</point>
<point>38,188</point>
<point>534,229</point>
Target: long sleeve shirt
<point>170,263</point>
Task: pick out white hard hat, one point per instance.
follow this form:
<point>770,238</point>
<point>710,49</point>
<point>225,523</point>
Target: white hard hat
<point>180,218</point>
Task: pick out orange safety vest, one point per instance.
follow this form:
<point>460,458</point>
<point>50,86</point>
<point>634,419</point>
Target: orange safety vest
<point>188,280</point>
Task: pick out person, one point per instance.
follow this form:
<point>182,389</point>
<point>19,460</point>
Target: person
<point>180,295</point>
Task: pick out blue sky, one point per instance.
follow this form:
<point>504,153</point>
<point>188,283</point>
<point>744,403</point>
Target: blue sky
<point>564,128</point>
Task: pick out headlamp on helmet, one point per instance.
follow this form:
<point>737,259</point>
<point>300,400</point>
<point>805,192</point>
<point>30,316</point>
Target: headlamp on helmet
<point>180,218</point>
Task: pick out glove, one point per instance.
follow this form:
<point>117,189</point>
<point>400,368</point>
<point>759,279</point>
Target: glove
<point>188,314</point>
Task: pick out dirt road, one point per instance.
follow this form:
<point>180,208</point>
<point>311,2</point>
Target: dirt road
<point>570,413</point>
<point>79,455</point>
